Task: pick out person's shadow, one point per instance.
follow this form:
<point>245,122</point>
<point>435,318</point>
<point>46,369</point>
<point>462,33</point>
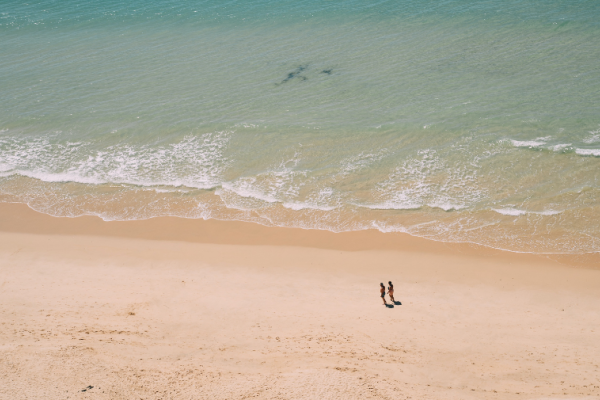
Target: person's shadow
<point>398,303</point>
<point>389,306</point>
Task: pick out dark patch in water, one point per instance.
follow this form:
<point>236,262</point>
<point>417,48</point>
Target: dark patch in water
<point>327,71</point>
<point>295,74</point>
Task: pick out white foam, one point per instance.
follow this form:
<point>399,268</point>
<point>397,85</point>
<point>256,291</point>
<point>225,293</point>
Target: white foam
<point>516,212</point>
<point>588,152</point>
<point>548,212</point>
<point>195,161</point>
<point>528,143</point>
<point>76,178</point>
<point>509,211</point>
<point>59,177</point>
<point>323,200</point>
<point>427,180</point>
<point>6,167</point>
<point>594,137</point>
<point>361,161</point>
<point>297,206</point>
<point>385,228</point>
<point>410,206</point>
<point>244,188</point>
<point>560,147</point>
<point>390,205</point>
<point>279,184</point>
<point>446,206</point>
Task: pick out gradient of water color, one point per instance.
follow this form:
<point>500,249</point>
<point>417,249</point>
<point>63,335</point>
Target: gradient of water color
<point>457,121</point>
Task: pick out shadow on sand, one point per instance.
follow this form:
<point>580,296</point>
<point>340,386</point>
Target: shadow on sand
<point>398,303</point>
<point>389,306</point>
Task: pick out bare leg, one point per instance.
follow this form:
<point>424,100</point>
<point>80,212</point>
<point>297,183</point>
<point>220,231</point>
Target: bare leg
<point>392,298</point>
<point>384,302</point>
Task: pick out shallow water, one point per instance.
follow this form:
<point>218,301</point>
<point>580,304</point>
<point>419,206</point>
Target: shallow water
<point>448,120</point>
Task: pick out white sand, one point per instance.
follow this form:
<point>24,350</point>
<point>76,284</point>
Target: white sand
<point>149,319</point>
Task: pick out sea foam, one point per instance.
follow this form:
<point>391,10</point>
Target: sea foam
<point>195,162</point>
<point>588,152</point>
<point>560,147</point>
<point>529,143</point>
<point>516,212</point>
<point>303,206</point>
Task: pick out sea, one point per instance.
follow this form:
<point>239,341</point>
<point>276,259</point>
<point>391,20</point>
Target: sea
<point>452,120</point>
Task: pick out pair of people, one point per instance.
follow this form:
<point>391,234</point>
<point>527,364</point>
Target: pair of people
<point>390,292</point>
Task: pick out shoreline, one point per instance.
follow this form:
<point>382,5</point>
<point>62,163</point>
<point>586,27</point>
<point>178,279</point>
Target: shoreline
<point>20,218</point>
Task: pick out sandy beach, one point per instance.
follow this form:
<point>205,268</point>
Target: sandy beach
<point>189,309</point>
<point>200,199</point>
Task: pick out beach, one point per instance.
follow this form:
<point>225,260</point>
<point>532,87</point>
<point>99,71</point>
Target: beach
<point>157,309</point>
<point>200,200</point>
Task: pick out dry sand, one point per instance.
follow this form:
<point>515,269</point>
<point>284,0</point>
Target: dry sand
<point>177,309</point>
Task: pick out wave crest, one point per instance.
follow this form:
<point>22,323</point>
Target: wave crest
<point>517,213</point>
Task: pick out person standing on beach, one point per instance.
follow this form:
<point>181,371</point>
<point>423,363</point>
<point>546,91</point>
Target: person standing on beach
<point>382,291</point>
<point>391,292</point>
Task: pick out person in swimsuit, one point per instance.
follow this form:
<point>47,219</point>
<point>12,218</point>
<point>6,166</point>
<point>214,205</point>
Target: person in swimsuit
<point>391,292</point>
<point>382,291</point>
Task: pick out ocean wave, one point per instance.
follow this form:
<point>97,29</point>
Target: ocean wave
<point>391,206</point>
<point>560,147</point>
<point>588,152</point>
<point>387,228</point>
<point>246,200</point>
<point>288,188</point>
<point>361,161</point>
<point>6,168</point>
<point>297,206</point>
<point>195,162</point>
<point>529,143</point>
<point>429,180</point>
<point>57,177</point>
<point>246,190</point>
<point>91,180</point>
<point>410,206</point>
<point>593,138</point>
<point>516,212</point>
<point>280,183</point>
<point>447,206</point>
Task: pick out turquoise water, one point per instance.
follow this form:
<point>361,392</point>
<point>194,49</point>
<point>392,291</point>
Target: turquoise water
<point>456,121</point>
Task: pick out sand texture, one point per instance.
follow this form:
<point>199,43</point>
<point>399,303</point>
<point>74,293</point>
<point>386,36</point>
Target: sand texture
<point>88,314</point>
